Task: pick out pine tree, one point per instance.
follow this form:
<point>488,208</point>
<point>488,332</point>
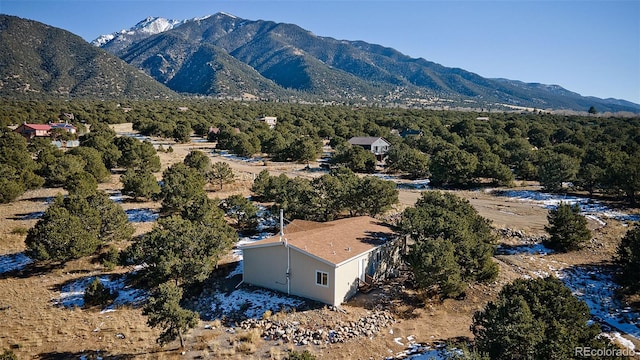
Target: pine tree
<point>221,173</point>
<point>140,183</point>
<point>435,268</point>
<point>628,258</point>
<point>181,186</point>
<point>451,239</point>
<point>568,229</point>
<point>164,312</point>
<point>535,319</point>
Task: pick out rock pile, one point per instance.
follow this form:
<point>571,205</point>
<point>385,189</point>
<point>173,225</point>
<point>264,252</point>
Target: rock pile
<point>520,236</point>
<point>293,332</point>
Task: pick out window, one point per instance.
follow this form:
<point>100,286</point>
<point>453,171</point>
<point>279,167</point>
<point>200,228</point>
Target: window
<point>322,278</point>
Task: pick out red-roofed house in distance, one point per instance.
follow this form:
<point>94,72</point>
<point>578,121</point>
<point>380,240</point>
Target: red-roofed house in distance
<point>30,131</point>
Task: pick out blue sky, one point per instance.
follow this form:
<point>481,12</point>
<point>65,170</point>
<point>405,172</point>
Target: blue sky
<point>588,46</point>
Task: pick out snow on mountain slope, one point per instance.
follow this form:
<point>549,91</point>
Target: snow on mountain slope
<point>147,27</point>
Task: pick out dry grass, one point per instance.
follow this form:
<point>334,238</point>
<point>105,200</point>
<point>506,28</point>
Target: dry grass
<point>276,353</point>
<point>252,336</point>
<point>33,326</point>
<point>246,348</point>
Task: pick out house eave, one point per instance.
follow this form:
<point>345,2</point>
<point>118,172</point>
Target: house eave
<point>357,256</point>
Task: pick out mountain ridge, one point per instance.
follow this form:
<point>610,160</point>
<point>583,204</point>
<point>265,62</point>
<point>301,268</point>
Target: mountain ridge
<point>61,64</point>
<point>298,60</point>
<point>225,56</point>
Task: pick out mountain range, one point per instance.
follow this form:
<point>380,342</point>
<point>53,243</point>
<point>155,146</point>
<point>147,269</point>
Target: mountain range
<point>225,56</point>
<point>40,61</point>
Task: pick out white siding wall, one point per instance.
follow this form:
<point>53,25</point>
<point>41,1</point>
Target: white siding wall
<point>379,146</point>
<point>303,278</point>
<point>266,267</point>
<point>347,278</point>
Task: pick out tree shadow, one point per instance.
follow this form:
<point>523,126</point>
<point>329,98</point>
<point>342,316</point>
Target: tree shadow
<point>35,215</point>
<point>523,249</point>
<point>88,355</point>
<point>41,199</point>
<point>397,295</point>
<point>30,269</point>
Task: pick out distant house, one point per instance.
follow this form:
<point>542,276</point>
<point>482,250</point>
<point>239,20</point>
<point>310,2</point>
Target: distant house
<point>326,262</point>
<point>64,126</point>
<point>269,120</point>
<point>30,131</point>
<point>377,145</point>
<point>482,118</point>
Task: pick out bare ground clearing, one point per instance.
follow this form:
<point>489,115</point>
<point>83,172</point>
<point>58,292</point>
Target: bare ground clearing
<point>34,327</point>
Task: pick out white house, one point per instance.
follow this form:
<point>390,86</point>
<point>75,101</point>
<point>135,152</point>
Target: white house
<point>325,262</point>
<point>269,120</point>
<point>377,145</point>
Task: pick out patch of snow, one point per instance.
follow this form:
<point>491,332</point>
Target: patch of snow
<point>142,215</point>
<point>238,270</point>
<point>394,178</point>
<point>588,206</point>
<point>596,219</point>
<point>418,184</point>
<point>530,249</point>
<point>431,354</point>
<point>597,288</point>
<point>227,14</point>
<point>103,39</point>
<point>117,197</point>
<point>202,18</point>
<point>149,26</point>
<point>227,155</point>
<point>617,338</point>
<point>14,262</point>
<point>251,303</point>
<point>417,351</point>
<point>72,294</point>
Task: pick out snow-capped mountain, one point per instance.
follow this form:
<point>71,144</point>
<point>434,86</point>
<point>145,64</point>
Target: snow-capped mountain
<point>223,55</point>
<point>145,28</point>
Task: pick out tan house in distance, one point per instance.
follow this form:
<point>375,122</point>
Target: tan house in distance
<point>269,120</point>
<point>325,262</point>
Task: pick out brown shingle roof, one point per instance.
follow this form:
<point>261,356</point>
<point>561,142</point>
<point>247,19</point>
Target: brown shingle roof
<point>334,241</point>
